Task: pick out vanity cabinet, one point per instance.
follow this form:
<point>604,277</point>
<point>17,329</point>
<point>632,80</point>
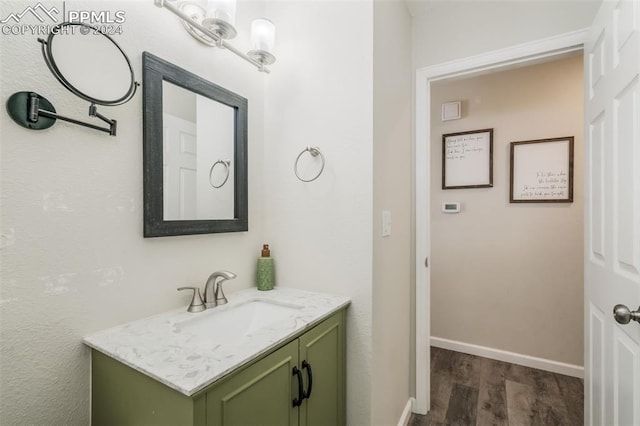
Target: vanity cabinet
<point>260,393</point>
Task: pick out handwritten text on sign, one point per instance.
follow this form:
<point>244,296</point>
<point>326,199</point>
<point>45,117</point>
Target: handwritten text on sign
<point>548,185</point>
<point>464,146</point>
<point>467,159</point>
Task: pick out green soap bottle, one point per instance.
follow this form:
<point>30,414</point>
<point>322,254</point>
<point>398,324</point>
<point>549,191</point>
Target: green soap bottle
<point>266,273</point>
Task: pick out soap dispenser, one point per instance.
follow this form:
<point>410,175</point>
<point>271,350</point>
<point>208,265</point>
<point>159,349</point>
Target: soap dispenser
<point>266,275</point>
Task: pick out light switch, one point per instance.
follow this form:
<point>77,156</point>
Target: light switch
<point>386,223</point>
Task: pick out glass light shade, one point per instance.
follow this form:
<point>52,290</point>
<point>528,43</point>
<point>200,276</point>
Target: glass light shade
<point>224,10</point>
<point>263,34</point>
<point>194,10</point>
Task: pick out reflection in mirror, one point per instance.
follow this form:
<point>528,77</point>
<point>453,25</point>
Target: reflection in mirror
<point>195,153</point>
<point>197,132</point>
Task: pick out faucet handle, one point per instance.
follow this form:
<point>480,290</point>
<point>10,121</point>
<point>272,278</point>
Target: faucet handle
<point>196,304</point>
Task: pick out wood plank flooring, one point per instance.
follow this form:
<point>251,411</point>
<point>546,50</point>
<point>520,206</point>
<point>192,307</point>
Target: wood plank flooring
<point>469,390</point>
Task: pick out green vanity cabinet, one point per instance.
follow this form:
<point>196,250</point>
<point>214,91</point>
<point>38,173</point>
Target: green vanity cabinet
<point>323,349</point>
<point>123,396</point>
<point>261,393</point>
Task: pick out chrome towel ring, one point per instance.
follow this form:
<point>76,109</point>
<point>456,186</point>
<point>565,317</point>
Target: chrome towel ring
<point>226,164</point>
<point>314,151</point>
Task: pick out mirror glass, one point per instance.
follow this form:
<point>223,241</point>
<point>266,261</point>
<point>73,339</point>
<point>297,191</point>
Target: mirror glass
<point>198,136</point>
<point>195,153</point>
<point>90,62</point>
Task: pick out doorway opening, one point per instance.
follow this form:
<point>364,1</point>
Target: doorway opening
<point>518,56</point>
<point>513,271</point>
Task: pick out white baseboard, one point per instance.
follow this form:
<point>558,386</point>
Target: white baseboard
<point>406,413</point>
<point>512,357</point>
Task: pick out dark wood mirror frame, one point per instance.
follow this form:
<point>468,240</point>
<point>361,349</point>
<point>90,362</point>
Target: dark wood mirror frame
<point>155,71</point>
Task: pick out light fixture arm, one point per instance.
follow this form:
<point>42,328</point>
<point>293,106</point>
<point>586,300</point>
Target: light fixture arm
<point>220,42</point>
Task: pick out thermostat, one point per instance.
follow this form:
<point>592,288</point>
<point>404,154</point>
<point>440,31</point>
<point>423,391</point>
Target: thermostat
<point>451,207</point>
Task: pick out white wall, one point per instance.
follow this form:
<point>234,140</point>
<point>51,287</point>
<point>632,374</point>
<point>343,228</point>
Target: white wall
<point>73,257</point>
<point>74,260</point>
<point>392,177</point>
<point>448,30</point>
<point>348,92</point>
<point>321,94</point>
<point>520,289</point>
<point>216,136</point>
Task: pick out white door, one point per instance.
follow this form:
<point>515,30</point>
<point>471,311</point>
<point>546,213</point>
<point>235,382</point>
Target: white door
<point>612,225</point>
<point>179,163</point>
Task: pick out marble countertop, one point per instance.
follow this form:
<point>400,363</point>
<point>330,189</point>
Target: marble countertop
<point>189,362</point>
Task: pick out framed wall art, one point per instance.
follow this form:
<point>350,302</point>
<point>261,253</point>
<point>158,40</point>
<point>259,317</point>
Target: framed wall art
<point>541,171</point>
<point>467,159</point>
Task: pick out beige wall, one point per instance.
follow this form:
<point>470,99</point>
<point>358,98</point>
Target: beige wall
<point>392,261</point>
<point>448,30</point>
<point>509,276</point>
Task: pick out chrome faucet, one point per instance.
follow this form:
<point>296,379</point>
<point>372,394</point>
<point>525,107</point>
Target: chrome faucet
<point>215,296</point>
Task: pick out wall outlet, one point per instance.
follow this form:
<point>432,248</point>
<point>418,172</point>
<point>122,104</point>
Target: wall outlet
<point>386,223</point>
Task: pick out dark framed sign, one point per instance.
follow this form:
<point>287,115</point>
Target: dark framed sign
<point>467,159</point>
<point>541,171</point>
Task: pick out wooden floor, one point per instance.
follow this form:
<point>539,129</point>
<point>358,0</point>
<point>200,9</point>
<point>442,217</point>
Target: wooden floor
<point>471,390</point>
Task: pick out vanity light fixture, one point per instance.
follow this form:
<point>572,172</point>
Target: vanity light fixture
<point>221,17</point>
<point>263,36</point>
<point>212,22</point>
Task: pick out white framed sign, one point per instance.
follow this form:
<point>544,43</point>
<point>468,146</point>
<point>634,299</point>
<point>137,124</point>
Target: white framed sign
<point>467,159</point>
<point>541,171</point>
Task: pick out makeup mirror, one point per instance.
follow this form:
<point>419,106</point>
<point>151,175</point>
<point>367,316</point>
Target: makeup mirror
<point>88,63</point>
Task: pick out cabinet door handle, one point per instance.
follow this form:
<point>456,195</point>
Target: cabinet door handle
<point>307,366</point>
<point>298,401</point>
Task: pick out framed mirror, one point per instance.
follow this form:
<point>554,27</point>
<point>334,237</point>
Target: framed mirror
<point>195,153</point>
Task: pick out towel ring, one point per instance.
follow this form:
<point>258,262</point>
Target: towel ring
<point>226,164</point>
<point>314,151</point>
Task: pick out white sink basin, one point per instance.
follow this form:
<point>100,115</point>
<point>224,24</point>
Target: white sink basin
<point>228,323</point>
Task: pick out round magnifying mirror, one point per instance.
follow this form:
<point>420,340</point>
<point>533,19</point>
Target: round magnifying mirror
<point>89,63</point>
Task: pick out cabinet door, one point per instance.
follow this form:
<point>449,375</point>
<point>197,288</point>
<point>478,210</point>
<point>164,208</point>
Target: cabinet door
<point>259,395</point>
<point>323,349</point>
